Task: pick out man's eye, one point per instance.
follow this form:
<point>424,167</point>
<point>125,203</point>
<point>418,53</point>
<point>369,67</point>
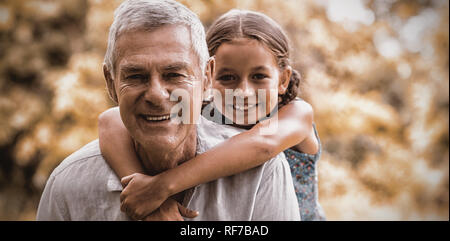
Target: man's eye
<point>227,78</point>
<point>259,76</point>
<point>136,77</point>
<point>174,75</point>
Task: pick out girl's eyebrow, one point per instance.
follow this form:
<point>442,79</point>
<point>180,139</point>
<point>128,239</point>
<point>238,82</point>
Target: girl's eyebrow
<point>260,68</point>
<point>224,70</point>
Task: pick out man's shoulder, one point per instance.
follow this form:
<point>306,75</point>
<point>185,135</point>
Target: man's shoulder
<point>82,187</point>
<point>86,169</point>
<point>90,151</point>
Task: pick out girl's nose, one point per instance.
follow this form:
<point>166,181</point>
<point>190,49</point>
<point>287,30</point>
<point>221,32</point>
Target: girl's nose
<point>244,90</point>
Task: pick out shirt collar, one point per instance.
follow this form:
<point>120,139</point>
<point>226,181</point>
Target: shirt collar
<point>113,184</point>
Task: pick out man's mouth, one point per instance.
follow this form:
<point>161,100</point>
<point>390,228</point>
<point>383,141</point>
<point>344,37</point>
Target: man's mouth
<point>156,118</point>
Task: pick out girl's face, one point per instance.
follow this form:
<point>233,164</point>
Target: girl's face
<point>248,70</point>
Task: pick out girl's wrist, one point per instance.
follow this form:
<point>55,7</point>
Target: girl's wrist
<point>169,186</point>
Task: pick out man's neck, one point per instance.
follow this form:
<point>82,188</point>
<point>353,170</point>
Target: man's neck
<point>156,161</point>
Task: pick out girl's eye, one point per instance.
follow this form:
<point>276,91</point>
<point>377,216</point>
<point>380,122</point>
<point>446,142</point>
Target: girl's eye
<point>227,78</point>
<point>259,76</point>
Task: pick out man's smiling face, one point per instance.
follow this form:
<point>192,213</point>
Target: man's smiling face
<point>149,66</point>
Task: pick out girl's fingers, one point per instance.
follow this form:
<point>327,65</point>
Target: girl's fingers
<point>125,180</point>
<point>186,212</point>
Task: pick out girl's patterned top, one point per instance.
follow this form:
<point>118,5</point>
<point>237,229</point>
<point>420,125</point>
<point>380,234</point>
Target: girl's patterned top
<point>304,174</point>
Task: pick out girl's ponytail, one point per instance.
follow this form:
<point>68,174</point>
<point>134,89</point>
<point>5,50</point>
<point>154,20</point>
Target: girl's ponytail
<point>292,90</point>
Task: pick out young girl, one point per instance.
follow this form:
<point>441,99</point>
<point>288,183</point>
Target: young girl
<point>251,53</point>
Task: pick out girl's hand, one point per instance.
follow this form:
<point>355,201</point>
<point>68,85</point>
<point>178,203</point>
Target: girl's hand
<point>142,195</point>
<point>171,210</point>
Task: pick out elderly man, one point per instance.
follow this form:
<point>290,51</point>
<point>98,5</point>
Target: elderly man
<point>154,48</point>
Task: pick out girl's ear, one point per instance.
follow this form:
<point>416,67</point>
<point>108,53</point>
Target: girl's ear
<point>285,78</point>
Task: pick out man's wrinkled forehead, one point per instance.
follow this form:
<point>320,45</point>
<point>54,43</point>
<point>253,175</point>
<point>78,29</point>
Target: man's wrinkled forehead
<point>167,46</point>
<point>171,65</point>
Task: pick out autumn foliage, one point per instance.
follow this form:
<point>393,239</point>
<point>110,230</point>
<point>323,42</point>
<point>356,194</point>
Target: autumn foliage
<point>375,71</point>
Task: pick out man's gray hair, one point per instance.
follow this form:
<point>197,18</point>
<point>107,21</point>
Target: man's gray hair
<point>147,15</point>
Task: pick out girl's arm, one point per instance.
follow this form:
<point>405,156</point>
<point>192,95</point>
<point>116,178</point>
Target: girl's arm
<point>116,145</point>
<point>118,149</point>
<point>248,149</point>
<point>296,119</point>
<point>143,194</point>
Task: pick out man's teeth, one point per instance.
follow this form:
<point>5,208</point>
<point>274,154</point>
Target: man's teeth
<point>157,118</point>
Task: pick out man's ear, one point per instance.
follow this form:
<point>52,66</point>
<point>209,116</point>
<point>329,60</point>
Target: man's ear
<point>285,78</point>
<point>110,84</point>
<point>209,73</point>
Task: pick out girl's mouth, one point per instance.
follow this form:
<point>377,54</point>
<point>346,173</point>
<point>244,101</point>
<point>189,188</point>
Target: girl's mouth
<point>244,107</point>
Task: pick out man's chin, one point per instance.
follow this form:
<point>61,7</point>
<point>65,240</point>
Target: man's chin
<point>162,139</point>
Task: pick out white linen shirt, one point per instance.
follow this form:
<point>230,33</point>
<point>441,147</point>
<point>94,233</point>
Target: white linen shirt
<point>84,187</point>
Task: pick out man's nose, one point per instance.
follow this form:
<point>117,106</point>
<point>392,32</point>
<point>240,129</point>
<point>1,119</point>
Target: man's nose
<point>157,92</point>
